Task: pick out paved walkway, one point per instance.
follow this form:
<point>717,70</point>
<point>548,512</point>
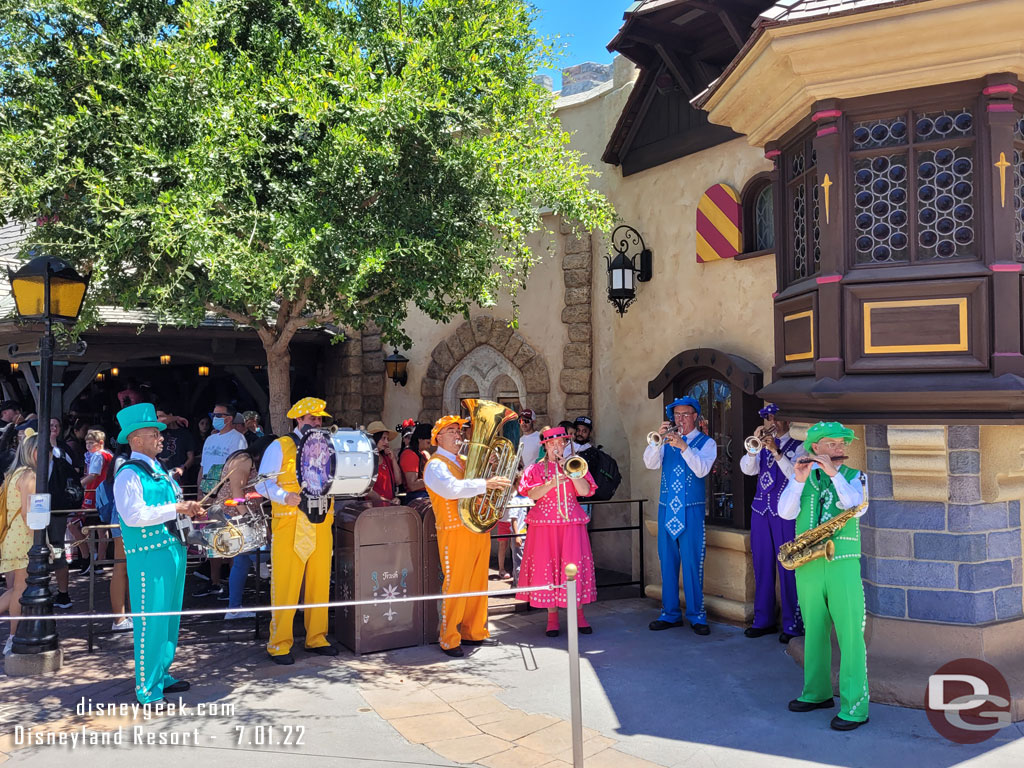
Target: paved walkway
<point>649,699</point>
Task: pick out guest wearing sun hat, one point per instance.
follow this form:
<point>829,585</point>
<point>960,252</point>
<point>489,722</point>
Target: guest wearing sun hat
<point>386,485</point>
<point>147,497</point>
<point>685,457</point>
<point>465,554</point>
<point>301,549</point>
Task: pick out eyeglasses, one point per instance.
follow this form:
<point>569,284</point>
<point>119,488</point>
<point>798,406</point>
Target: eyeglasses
<point>214,414</point>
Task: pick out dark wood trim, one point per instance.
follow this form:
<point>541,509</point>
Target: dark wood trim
<point>736,370</point>
<point>677,146</point>
<point>975,290</point>
<point>754,254</point>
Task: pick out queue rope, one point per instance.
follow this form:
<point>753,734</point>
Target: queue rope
<point>267,608</point>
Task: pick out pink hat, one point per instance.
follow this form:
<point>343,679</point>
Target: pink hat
<point>553,434</point>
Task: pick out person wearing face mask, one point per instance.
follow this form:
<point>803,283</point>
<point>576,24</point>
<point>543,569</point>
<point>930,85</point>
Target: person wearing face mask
<point>300,549</point>
<point>685,457</point>
<point>830,590</point>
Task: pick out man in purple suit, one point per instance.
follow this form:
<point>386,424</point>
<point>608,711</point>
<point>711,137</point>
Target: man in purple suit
<point>772,466</point>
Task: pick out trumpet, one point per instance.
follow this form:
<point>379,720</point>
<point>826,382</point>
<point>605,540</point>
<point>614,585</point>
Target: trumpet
<point>655,439</point>
<point>759,439</point>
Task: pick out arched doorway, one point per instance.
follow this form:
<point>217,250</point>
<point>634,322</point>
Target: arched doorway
<point>725,386</point>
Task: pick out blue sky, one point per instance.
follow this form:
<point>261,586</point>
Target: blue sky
<point>584,27</point>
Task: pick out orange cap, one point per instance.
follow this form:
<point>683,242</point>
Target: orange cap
<point>445,421</point>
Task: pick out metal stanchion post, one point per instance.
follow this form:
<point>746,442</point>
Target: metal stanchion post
<point>574,665</point>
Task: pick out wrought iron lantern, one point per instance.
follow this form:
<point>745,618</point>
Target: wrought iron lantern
<point>395,364</point>
<point>623,270</point>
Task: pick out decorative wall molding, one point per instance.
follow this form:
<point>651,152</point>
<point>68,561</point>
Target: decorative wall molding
<point>485,365</point>
<point>918,461</point>
<point>503,340</point>
<point>1002,463</point>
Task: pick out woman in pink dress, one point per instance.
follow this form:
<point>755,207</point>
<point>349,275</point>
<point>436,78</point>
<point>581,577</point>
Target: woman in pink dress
<point>556,533</point>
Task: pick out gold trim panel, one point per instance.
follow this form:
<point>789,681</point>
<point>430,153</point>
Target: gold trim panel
<point>959,346</point>
<point>809,314</point>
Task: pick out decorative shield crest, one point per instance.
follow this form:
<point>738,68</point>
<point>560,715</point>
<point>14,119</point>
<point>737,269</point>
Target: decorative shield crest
<point>719,222</point>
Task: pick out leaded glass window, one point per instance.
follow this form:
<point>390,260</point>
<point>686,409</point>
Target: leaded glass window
<point>764,219</point>
<point>802,214</point>
<point>913,190</point>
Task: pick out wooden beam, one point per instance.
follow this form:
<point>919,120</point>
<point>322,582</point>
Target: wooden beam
<point>83,379</point>
<point>248,381</point>
<point>30,379</point>
<point>672,64</point>
<point>730,27</point>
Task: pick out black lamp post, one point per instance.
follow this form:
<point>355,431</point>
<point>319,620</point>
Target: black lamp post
<point>44,289</point>
<point>623,272</point>
<point>395,365</point>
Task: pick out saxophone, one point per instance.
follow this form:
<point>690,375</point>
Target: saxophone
<point>489,454</point>
<point>817,542</point>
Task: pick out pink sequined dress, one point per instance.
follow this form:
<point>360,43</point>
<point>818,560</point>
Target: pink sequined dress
<point>556,534</point>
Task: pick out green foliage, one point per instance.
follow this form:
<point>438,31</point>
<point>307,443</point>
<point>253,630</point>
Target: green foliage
<point>285,162</point>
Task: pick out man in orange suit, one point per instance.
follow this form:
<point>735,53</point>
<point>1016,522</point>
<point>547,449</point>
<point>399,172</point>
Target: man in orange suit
<point>465,554</point>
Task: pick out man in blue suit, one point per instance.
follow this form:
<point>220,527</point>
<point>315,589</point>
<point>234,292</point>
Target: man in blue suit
<point>685,457</point>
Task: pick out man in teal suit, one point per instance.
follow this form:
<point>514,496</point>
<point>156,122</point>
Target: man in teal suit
<point>147,499</point>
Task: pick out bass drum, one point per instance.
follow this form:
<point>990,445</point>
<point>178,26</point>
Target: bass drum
<point>338,462</point>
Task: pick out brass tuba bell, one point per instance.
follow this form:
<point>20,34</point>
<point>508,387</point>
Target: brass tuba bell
<point>487,455</point>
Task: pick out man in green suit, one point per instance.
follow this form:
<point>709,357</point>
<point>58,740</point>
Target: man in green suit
<point>830,592</point>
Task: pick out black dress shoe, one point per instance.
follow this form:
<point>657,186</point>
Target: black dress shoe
<point>284,659</point>
<point>489,642</point>
<point>809,706</point>
<point>760,631</point>
<point>702,629</point>
<point>657,625</point>
<point>785,637</point>
<point>455,653</point>
<point>838,724</point>
<point>323,650</point>
<point>588,630</point>
<point>179,687</point>
<point>551,632</point>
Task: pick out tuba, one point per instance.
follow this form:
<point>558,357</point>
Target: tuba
<point>487,447</point>
<point>817,542</point>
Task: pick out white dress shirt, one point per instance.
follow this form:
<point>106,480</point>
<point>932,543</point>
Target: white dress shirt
<point>271,465</point>
<point>750,463</point>
<point>439,479</point>
<point>700,461</point>
<point>531,448</point>
<point>850,494</point>
<point>131,506</point>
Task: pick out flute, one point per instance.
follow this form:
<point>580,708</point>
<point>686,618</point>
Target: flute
<point>816,460</point>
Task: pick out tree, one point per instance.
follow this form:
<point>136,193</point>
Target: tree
<point>285,163</point>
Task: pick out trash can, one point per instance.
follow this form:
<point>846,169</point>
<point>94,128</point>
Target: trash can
<point>432,577</point>
<point>378,557</point>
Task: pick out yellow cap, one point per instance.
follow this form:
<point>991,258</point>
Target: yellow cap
<point>308,406</point>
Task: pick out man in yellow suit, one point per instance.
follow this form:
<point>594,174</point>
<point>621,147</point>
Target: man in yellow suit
<point>465,554</point>
<point>300,547</point>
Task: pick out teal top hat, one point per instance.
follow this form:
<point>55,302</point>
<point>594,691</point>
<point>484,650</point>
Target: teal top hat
<point>135,417</point>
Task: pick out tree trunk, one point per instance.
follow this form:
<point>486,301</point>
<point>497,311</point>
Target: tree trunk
<point>279,379</point>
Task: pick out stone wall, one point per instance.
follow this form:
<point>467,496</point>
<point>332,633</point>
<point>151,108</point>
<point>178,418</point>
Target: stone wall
<point>500,336</point>
<point>578,353</point>
<point>935,551</point>
<point>355,378</point>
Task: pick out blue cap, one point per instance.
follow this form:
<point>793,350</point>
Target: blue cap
<point>769,410</point>
<point>681,401</point>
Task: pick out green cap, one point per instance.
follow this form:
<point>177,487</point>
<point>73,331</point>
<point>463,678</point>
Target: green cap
<point>826,429</point>
<point>135,417</point>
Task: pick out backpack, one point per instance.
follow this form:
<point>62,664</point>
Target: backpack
<point>66,491</point>
<point>605,471</point>
<point>5,522</point>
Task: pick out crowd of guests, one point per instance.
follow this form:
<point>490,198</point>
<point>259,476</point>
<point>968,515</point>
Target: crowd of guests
<point>80,484</point>
<point>216,456</point>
